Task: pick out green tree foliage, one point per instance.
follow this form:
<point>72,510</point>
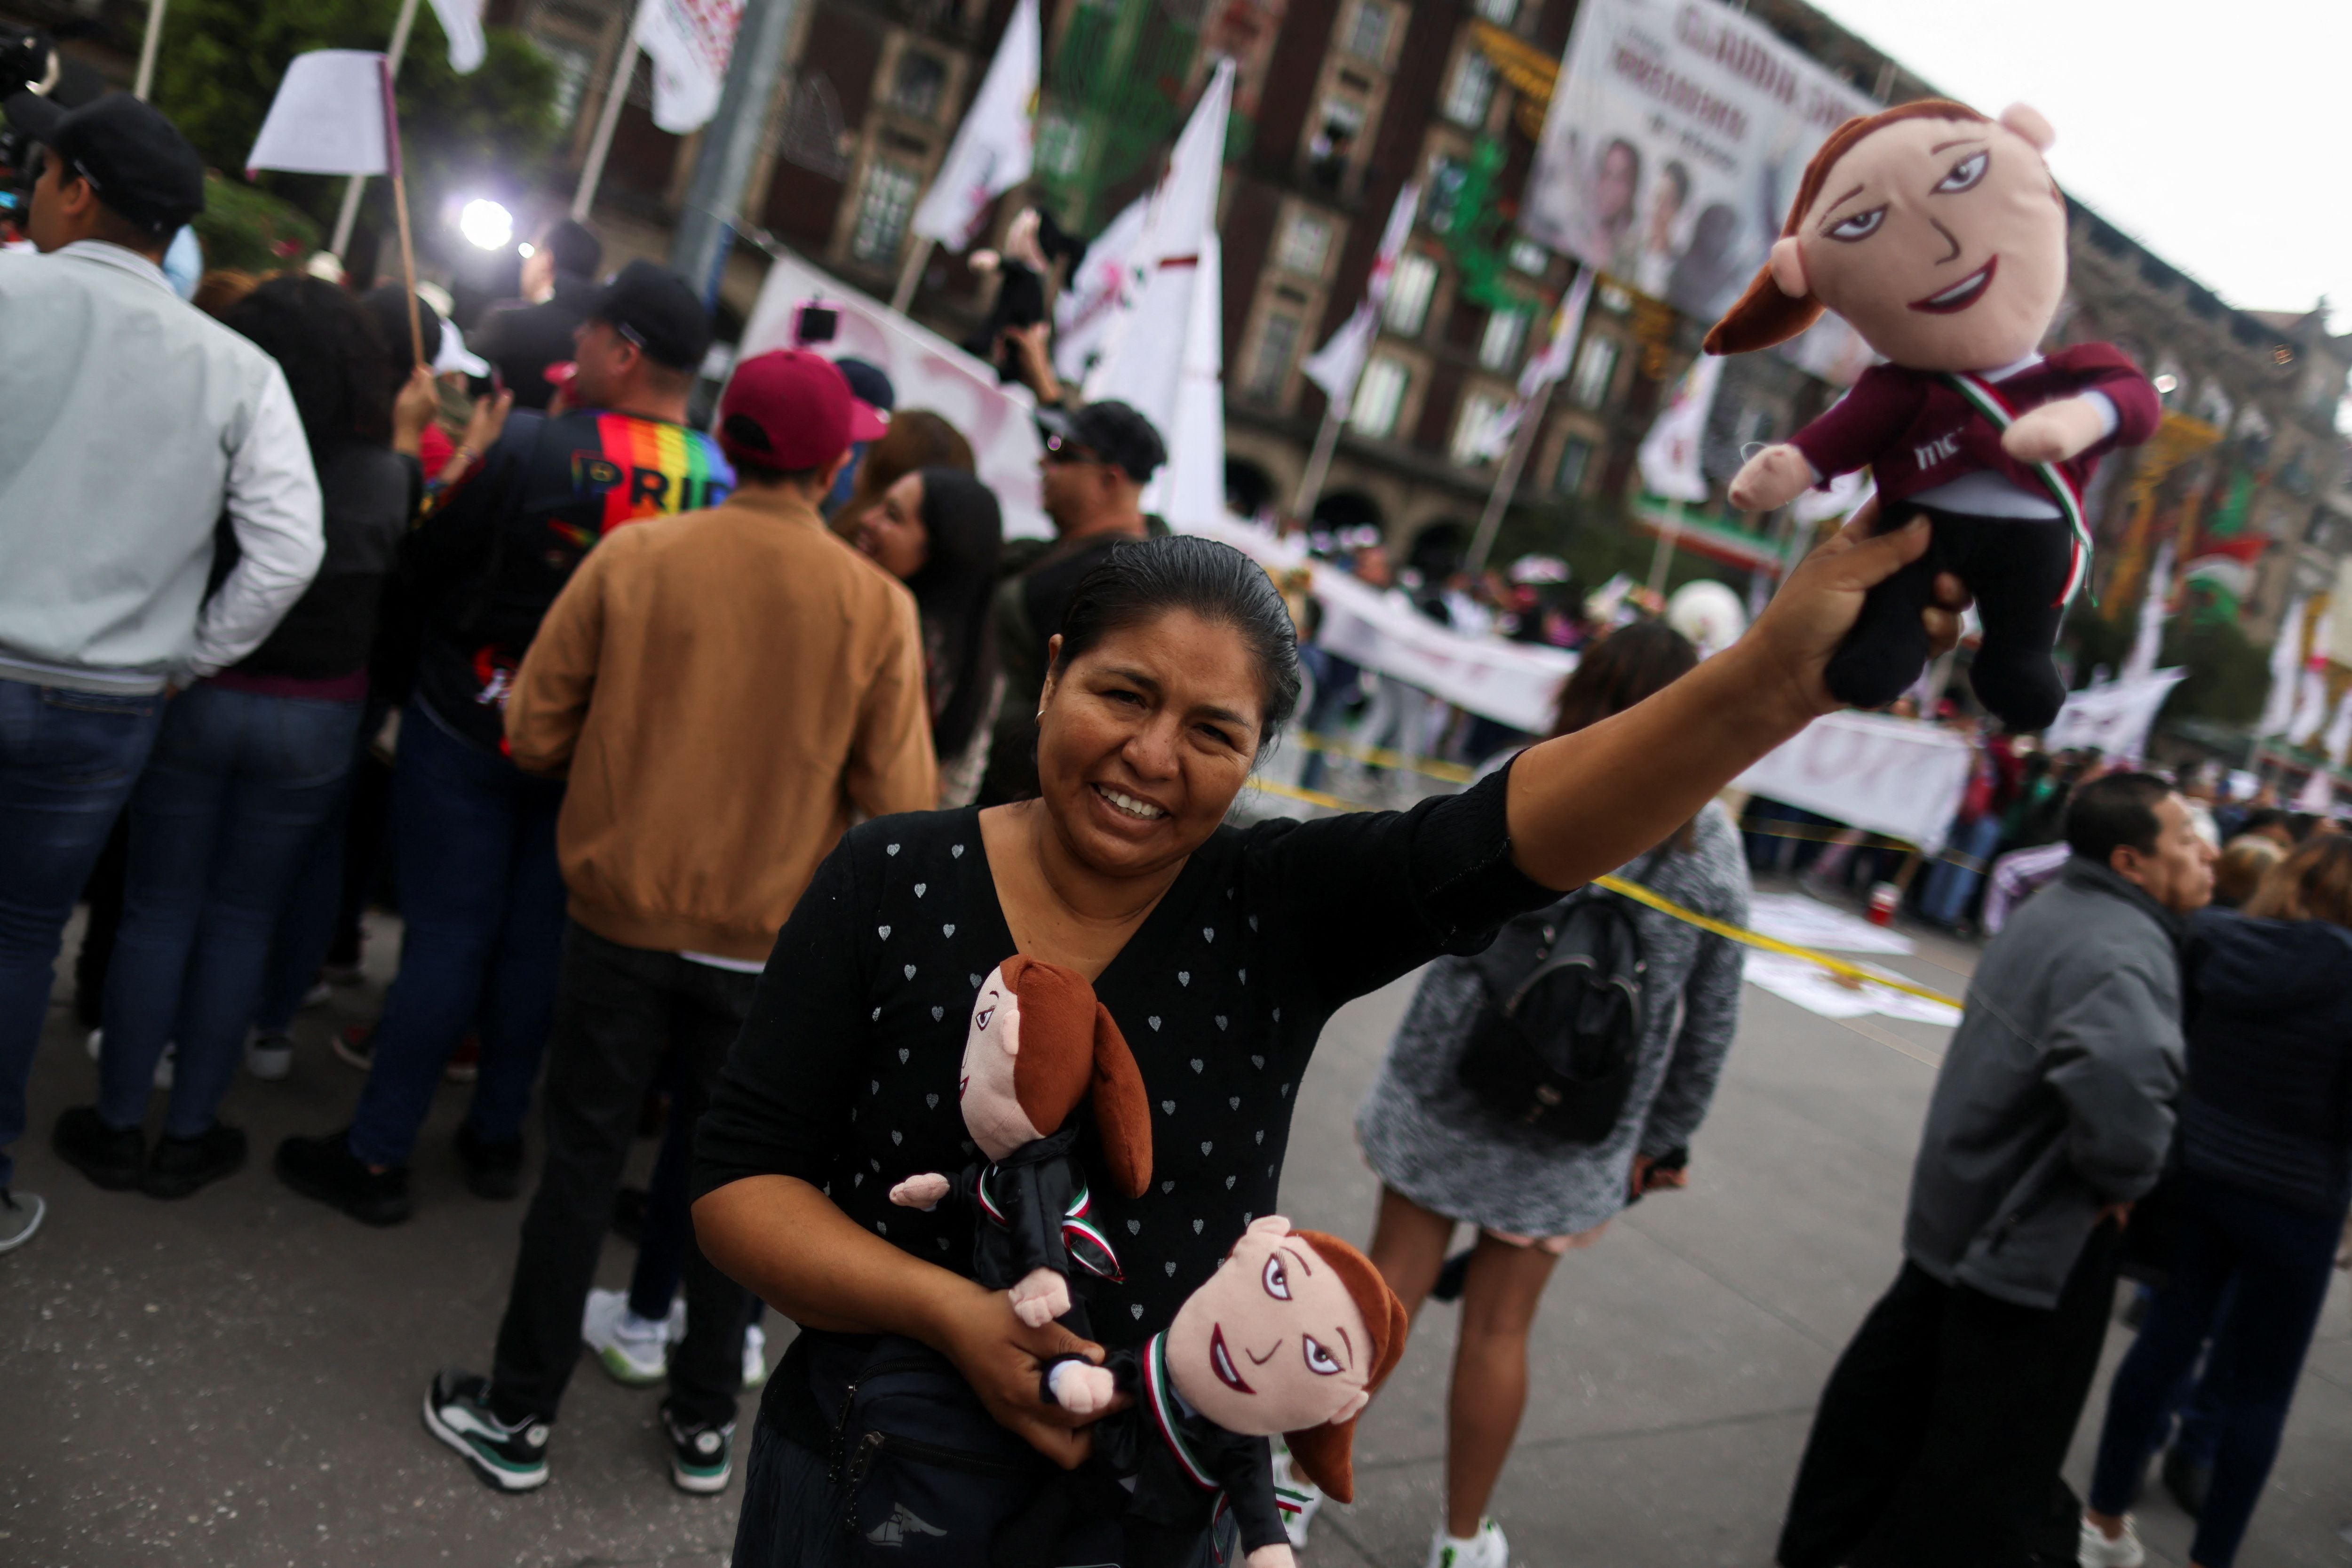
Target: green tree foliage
<point>2228,676</point>
<point>249,230</point>
<point>221,61</point>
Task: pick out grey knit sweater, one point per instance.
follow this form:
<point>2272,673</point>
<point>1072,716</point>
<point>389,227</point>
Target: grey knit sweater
<point>1431,1139</point>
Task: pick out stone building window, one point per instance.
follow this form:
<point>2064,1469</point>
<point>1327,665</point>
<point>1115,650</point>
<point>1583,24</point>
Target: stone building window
<point>884,206</point>
<point>1380,397</point>
<point>921,81</point>
<point>1470,91</point>
<point>1369,30</point>
<point>1472,428</point>
<point>1306,244</point>
<point>1277,342</point>
<point>1507,331</point>
<point>1575,457</point>
<point>1596,367</point>
<point>1406,310</point>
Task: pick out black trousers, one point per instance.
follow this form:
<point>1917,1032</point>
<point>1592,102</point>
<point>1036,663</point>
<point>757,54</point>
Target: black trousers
<point>1939,1437</point>
<point>2016,567</point>
<point>616,1010</point>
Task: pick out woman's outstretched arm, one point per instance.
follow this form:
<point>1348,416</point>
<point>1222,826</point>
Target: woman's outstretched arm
<point>782,1239</point>
<point>1582,804</point>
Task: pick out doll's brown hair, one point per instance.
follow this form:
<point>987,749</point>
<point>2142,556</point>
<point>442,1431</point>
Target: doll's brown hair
<point>1326,1452</point>
<point>1764,315</point>
<point>1071,1050</point>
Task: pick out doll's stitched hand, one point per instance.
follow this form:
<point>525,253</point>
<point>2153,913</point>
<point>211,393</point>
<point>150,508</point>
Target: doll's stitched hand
<point>1772,477</point>
<point>1039,1296</point>
<point>1277,1555</point>
<point>922,1192</point>
<point>1002,1358</point>
<point>2055,431</point>
<point>1083,1390</point>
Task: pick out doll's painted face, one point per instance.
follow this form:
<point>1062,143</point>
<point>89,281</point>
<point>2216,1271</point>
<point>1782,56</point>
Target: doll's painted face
<point>1273,1342</point>
<point>1942,241</point>
<point>991,1105</point>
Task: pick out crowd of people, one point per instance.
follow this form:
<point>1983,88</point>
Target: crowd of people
<point>715,767</point>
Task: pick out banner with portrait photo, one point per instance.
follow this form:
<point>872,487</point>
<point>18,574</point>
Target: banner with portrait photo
<point>1676,137</point>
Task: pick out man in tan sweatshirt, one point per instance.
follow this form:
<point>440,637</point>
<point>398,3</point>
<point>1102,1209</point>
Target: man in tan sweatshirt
<point>723,690</point>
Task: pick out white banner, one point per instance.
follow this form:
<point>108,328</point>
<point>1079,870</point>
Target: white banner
<point>327,117</point>
<point>690,41</point>
<point>1896,776</point>
<point>2112,717</point>
<point>927,372</point>
<point>992,147</point>
<point>1676,137</point>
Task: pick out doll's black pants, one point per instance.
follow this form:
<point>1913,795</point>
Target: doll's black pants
<point>2016,567</point>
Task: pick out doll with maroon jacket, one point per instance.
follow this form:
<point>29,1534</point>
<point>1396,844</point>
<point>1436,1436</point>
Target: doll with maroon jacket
<point>1940,237</point>
<point>1039,1047</point>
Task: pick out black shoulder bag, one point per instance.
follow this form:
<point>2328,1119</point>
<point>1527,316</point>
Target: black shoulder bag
<point>1556,1041</point>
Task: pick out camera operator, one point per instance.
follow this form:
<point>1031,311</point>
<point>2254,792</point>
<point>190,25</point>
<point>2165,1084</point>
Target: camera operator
<point>130,423</point>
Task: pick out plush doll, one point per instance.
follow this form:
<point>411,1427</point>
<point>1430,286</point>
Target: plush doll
<point>1292,1334</point>
<point>1034,245</point>
<point>1039,1044</point>
<point>1939,236</point>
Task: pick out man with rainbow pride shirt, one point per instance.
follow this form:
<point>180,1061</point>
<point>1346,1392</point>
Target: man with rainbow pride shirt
<point>482,897</point>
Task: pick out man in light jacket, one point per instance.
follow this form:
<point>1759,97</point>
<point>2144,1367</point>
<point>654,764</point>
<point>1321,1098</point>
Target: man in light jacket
<point>130,422</point>
<point>1939,1437</point>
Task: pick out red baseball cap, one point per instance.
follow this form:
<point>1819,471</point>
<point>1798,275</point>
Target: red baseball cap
<point>792,409</point>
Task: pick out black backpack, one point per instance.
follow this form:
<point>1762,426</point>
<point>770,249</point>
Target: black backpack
<point>1555,1042</point>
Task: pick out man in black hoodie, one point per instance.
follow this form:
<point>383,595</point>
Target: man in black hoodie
<point>523,337</point>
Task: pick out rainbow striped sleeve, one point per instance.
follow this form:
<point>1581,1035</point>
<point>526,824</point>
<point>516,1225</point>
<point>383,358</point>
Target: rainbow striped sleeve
<point>663,468</point>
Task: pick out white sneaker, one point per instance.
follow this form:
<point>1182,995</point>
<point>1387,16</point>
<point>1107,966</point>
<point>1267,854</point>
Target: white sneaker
<point>1488,1549</point>
<point>2098,1552</point>
<point>270,1056</point>
<point>162,1063</point>
<point>755,1356</point>
<point>1301,1499</point>
<point>632,1351</point>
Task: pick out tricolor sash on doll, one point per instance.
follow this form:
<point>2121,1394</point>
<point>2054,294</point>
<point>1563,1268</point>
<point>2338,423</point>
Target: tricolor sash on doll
<point>1089,1247</point>
<point>1160,1394</point>
<point>1988,401</point>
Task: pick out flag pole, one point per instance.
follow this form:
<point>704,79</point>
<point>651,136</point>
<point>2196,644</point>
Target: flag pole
<point>1318,462</point>
<point>1667,535</point>
<point>608,118</point>
<point>911,275</point>
<point>400,212</point>
<point>1506,483</point>
<point>147,49</point>
<point>350,209</point>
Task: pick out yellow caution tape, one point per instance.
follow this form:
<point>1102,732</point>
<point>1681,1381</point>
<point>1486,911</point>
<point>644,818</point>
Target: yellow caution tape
<point>1665,906</point>
<point>1379,757</point>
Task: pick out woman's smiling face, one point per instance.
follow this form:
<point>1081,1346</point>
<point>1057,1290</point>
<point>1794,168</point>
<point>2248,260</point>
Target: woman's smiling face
<point>1273,1342</point>
<point>1145,739</point>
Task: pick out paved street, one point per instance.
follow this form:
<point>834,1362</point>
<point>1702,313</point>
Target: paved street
<point>234,1380</point>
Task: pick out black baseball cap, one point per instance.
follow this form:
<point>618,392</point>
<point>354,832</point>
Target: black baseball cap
<point>1111,431</point>
<point>655,309</point>
<point>137,161</point>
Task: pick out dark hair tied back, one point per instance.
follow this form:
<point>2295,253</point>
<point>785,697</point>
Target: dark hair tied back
<point>1144,580</point>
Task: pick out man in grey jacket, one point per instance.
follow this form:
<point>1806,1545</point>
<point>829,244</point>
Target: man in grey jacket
<point>1939,1437</point>
<point>130,423</point>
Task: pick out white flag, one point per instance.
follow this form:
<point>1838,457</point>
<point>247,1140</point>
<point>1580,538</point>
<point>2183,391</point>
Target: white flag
<point>2286,659</point>
<point>1095,292</point>
<point>330,116</point>
<point>461,21</point>
<point>2141,662</point>
<point>1143,361</point>
<point>2311,690</point>
<point>1335,366</point>
<point>1544,368</point>
<point>991,151</point>
<point>2338,739</point>
<point>690,41</point>
<point>1669,453</point>
<point>1191,489</point>
<point>2318,796</point>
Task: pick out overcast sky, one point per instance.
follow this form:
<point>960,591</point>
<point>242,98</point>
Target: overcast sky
<point>2213,132</point>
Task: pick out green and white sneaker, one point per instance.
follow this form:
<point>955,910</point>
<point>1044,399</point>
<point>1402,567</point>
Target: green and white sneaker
<point>634,1351</point>
<point>512,1457</point>
<point>701,1459</point>
<point>1488,1549</point>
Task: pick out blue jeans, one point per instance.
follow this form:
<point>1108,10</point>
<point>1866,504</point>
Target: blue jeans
<point>481,902</point>
<point>2279,1257</point>
<point>1949,886</point>
<point>68,761</point>
<point>236,788</point>
<point>311,909</point>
